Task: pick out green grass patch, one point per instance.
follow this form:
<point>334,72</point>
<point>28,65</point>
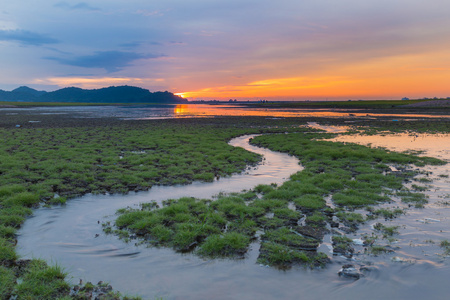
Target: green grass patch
<point>310,202</point>
<point>378,249</point>
<point>7,252</point>
<point>8,281</point>
<point>350,219</point>
<point>445,244</point>
<point>291,239</point>
<point>283,257</point>
<point>188,224</point>
<point>41,281</point>
<point>342,245</point>
<point>417,199</point>
<point>230,244</point>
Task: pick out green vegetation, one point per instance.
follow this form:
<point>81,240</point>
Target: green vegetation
<point>342,245</point>
<point>42,282</point>
<point>50,162</point>
<point>222,228</point>
<point>284,247</point>
<point>378,249</point>
<point>75,161</point>
<point>225,228</point>
<point>37,280</point>
<point>431,126</point>
<point>352,176</point>
<point>418,199</point>
<point>350,219</point>
<point>385,213</point>
<point>445,244</point>
<point>387,231</point>
<point>8,281</point>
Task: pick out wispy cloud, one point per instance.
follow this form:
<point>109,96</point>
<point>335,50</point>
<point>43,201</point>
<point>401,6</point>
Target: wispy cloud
<point>136,44</point>
<point>26,37</point>
<point>149,13</point>
<point>131,44</point>
<point>111,61</point>
<point>92,82</point>
<point>78,6</point>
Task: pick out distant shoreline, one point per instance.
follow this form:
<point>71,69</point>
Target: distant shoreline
<point>441,105</point>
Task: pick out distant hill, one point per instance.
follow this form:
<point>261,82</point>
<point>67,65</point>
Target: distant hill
<point>113,94</point>
<point>21,93</point>
<point>24,90</point>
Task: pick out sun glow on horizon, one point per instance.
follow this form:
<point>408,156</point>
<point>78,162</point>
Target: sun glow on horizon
<point>394,77</point>
<point>182,95</point>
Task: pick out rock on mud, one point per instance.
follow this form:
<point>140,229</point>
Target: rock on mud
<point>349,271</point>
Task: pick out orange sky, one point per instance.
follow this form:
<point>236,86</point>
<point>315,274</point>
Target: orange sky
<point>413,76</point>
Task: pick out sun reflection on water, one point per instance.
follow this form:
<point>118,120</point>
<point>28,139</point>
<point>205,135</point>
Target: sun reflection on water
<point>180,109</point>
<point>202,110</point>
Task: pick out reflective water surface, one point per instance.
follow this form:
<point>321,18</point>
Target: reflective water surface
<point>435,145</point>
<point>417,269</point>
<point>203,110</point>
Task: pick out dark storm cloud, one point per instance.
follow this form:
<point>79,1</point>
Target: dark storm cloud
<point>78,6</point>
<point>26,37</point>
<point>111,61</point>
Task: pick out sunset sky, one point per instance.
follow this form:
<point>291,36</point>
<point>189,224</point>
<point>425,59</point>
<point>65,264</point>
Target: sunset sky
<point>243,49</point>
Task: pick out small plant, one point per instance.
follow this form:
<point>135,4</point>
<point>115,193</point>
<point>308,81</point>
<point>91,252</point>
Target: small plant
<point>445,244</point>
<point>386,213</point>
<point>369,240</point>
<point>342,245</point>
<point>377,249</point>
<point>350,218</point>
<point>418,199</point>
<point>388,231</point>
<point>419,188</point>
<point>425,180</point>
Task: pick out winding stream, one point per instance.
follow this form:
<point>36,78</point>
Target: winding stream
<point>72,236</point>
<point>67,235</point>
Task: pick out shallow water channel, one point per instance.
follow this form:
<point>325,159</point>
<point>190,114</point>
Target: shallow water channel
<point>67,235</point>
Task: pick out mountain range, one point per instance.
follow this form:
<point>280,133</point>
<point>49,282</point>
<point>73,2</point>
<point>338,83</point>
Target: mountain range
<point>112,94</point>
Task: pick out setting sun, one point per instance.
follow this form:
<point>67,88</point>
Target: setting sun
<point>181,95</point>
